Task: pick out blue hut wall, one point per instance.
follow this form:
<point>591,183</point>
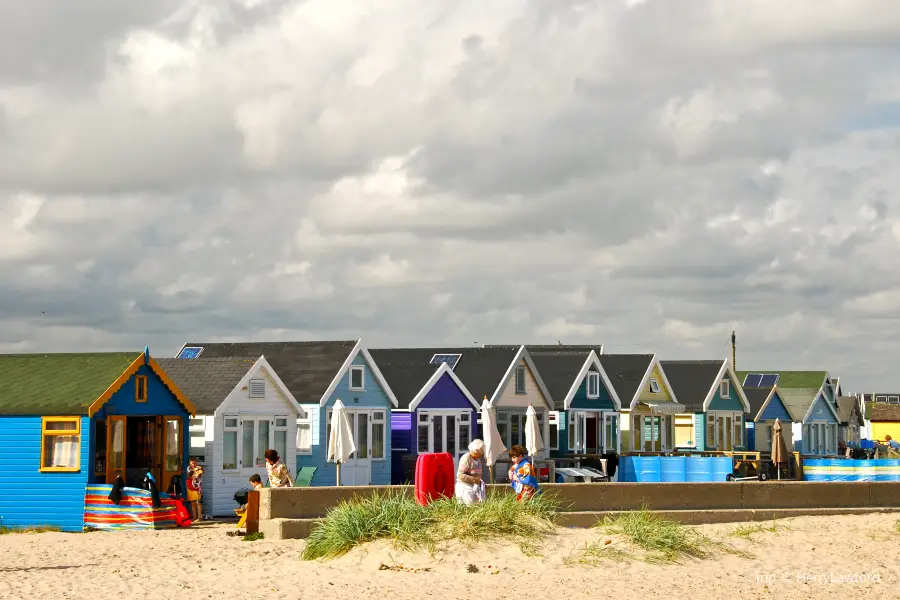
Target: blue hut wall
<point>580,401</point>
<point>160,402</point>
<point>374,396</point>
<point>733,402</point>
<point>401,444</point>
<point>29,498</point>
<point>821,411</point>
<point>444,395</point>
<point>776,410</point>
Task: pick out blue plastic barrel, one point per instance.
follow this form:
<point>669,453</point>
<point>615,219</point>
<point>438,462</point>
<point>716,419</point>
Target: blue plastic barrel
<point>625,469</point>
<point>698,469</point>
<point>887,469</point>
<point>722,467</point>
<point>646,469</point>
<point>672,468</point>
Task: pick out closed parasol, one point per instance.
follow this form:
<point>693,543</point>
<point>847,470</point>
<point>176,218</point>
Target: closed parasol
<point>779,450</point>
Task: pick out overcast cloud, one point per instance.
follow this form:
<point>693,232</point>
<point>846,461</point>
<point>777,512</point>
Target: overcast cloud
<point>644,174</point>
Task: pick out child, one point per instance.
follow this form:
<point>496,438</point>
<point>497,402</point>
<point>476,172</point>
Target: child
<point>521,474</point>
<point>256,484</point>
<point>195,488</point>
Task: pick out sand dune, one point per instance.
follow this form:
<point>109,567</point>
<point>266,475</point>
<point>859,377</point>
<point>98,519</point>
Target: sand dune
<point>204,562</point>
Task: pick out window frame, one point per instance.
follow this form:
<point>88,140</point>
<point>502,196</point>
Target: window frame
<point>725,388</point>
<point>653,384</point>
<point>362,378</point>
<point>712,418</point>
<point>370,417</point>
<point>56,432</point>
<point>520,370</point>
<point>553,421</point>
<point>307,423</point>
<point>138,380</point>
<point>237,442</point>
<point>593,379</point>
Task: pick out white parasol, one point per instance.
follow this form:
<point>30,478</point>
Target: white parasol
<point>493,443</point>
<point>533,442</point>
<point>340,438</point>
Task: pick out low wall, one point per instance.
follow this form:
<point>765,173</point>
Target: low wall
<point>290,512</point>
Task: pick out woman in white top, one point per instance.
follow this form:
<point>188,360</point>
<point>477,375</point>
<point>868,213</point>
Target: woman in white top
<point>469,483</point>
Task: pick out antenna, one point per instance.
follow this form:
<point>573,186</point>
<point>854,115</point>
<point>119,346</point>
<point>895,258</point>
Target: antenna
<point>733,350</point>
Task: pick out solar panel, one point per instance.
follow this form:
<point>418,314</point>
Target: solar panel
<point>768,380</point>
<point>752,380</point>
<point>450,359</point>
<point>190,352</point>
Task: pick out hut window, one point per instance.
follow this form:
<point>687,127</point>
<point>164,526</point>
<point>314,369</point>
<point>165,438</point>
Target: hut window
<point>520,380</point>
<point>280,443</point>
<point>554,430</point>
<point>710,431</point>
<point>304,435</point>
<point>725,389</point>
<point>357,379</point>
<point>593,385</point>
<point>140,388</point>
<point>257,388</point>
<point>230,444</point>
<point>654,386</point>
<point>738,439</point>
<point>60,443</point>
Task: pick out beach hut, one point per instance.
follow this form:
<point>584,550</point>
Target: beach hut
<point>649,405</point>
<point>817,420</point>
<point>766,406</point>
<point>587,408</point>
<point>71,420</point>
<point>885,420</point>
<point>317,373</point>
<point>435,411</point>
<point>715,405</point>
<point>851,421</point>
<point>250,410</point>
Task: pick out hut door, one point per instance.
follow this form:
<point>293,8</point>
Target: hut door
<point>115,448</point>
<point>172,448</point>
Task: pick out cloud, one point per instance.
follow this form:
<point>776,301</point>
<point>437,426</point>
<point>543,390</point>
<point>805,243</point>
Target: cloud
<point>636,174</point>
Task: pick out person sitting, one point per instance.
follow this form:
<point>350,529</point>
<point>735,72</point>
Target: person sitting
<point>469,483</point>
<point>256,484</point>
<point>522,475</point>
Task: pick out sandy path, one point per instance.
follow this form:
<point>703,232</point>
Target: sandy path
<point>204,562</point>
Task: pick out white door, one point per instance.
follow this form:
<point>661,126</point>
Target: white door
<point>444,431</point>
<point>610,432</point>
<point>258,434</point>
<point>358,469</point>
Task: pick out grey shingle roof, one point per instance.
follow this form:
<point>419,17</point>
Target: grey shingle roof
<point>479,369</point>
<point>691,380</point>
<point>756,397</point>
<point>206,381</point>
<point>625,372</point>
<point>798,400</point>
<point>884,412</point>
<point>306,368</point>
<point>558,370</point>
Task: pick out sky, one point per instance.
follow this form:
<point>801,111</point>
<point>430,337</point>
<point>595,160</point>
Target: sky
<point>649,175</point>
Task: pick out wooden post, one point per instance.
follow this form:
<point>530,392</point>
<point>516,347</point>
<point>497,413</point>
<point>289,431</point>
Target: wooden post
<point>252,512</point>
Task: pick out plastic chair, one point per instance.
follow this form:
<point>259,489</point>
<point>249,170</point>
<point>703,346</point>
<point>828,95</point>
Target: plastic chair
<point>305,476</point>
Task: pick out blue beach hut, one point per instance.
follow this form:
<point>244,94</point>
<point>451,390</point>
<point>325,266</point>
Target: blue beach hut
<point>71,420</point>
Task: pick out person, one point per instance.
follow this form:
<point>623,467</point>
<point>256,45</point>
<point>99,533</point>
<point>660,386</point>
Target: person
<point>469,482</point>
<point>256,484</point>
<point>521,474</point>
<point>278,472</point>
<point>891,442</point>
<point>195,488</point>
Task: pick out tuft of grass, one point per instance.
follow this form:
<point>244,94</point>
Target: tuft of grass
<point>748,531</point>
<point>897,526</point>
<point>595,553</point>
<point>259,535</point>
<point>663,540</point>
<point>36,529</point>
<point>396,516</point>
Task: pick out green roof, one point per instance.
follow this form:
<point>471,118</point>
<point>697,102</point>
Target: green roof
<point>57,384</point>
<point>798,400</point>
<point>868,411</point>
<point>791,379</point>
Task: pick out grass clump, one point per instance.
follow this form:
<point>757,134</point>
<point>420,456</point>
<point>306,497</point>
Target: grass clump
<point>36,529</point>
<point>595,553</point>
<point>897,526</point>
<point>396,516</point>
<point>259,535</point>
<point>662,540</point>
<point>748,531</point>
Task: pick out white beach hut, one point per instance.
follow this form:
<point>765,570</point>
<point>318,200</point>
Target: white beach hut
<point>246,410</point>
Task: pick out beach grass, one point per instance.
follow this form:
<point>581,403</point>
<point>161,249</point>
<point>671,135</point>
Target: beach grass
<point>662,540</point>
<point>897,526</point>
<point>396,516</point>
<point>35,529</point>
<point>595,553</point>
<point>748,531</point>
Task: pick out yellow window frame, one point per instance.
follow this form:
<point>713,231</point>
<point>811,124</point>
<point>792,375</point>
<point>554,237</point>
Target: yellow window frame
<point>137,388</point>
<point>54,432</point>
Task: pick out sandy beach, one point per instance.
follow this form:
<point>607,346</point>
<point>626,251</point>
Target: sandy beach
<point>204,562</point>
